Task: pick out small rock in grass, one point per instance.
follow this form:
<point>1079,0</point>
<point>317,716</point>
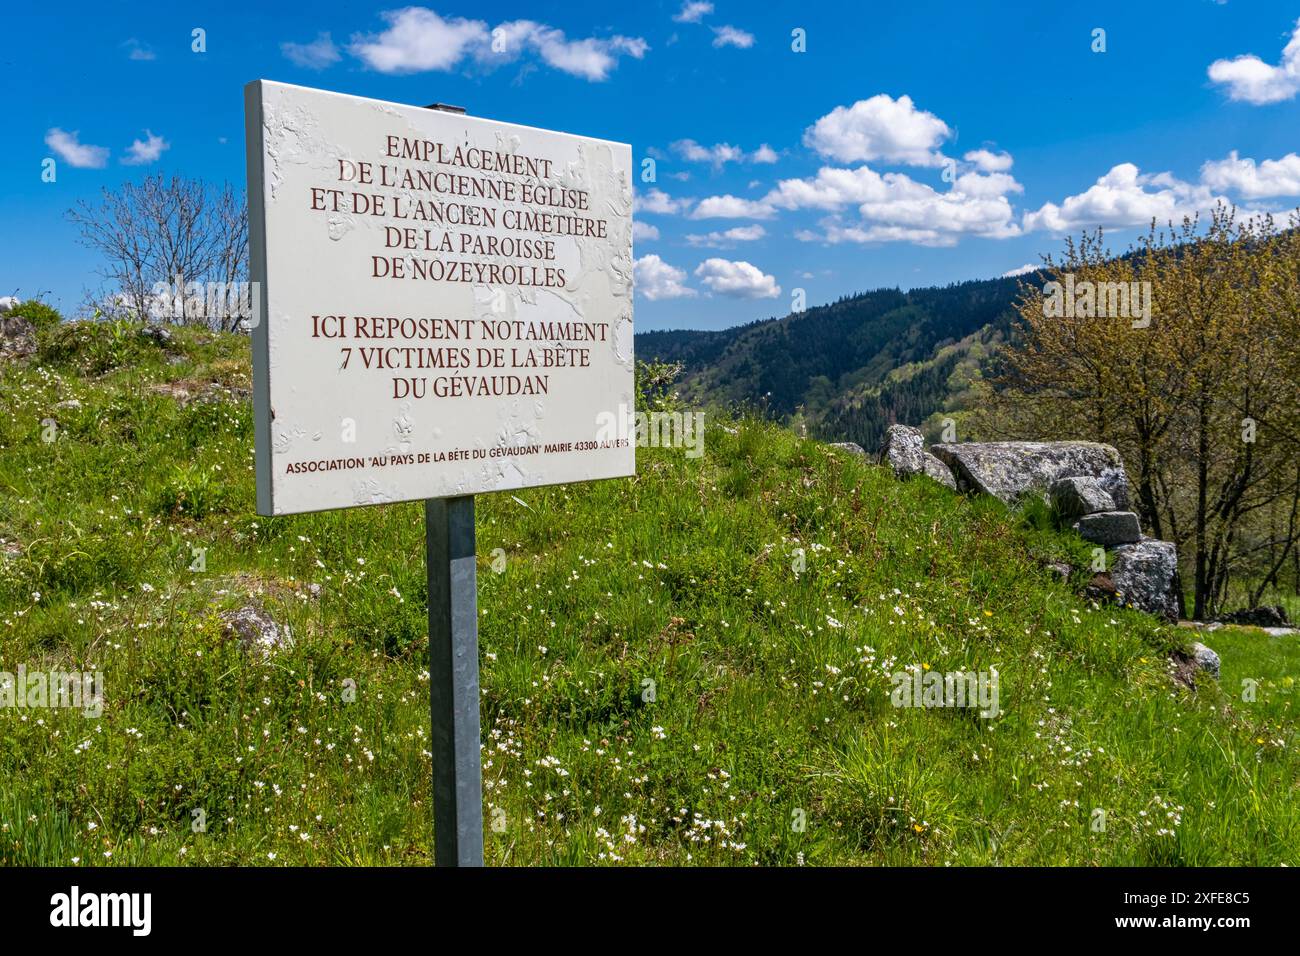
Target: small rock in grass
<point>156,334</point>
<point>1206,659</point>
<point>255,630</point>
<point>17,337</point>
<point>1060,569</point>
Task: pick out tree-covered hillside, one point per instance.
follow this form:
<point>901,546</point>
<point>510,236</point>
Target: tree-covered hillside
<point>849,369</point>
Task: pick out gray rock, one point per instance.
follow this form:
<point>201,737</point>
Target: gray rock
<point>1266,615</point>
<point>1144,574</point>
<point>939,471</point>
<point>1010,470</point>
<point>157,335</point>
<point>1280,631</point>
<point>1060,569</point>
<point>903,450</point>
<point>71,405</point>
<point>852,447</point>
<point>255,630</point>
<point>1109,528</point>
<point>17,336</point>
<point>1206,659</point>
<point>1078,496</point>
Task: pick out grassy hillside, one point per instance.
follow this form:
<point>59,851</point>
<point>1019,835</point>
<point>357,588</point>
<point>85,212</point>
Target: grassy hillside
<point>771,691</point>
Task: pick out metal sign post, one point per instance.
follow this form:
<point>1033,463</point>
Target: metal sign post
<point>453,681</point>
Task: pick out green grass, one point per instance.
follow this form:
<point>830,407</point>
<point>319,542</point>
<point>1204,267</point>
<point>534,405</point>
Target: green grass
<point>771,690</point>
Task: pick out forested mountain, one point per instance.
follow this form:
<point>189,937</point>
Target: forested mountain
<point>849,369</point>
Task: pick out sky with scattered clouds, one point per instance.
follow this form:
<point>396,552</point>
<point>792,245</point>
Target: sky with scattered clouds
<point>821,149</point>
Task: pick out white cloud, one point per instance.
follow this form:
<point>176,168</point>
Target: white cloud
<point>974,211</point>
<point>135,50</point>
<point>835,232</point>
<point>896,207</point>
<point>989,162</point>
<point>141,152</point>
<point>719,154</point>
<point>731,207</point>
<point>316,55</point>
<point>417,40</point>
<point>658,201</point>
<point>1021,270</point>
<point>655,279</point>
<point>880,128</point>
<point>728,237</point>
<point>831,188</point>
<point>985,186</point>
<point>1250,79</point>
<point>740,280</point>
<point>1123,197</point>
<point>591,58</point>
<point>72,151</point>
<point>1272,177</point>
<point>693,11</point>
<point>732,36</point>
<point>643,231</point>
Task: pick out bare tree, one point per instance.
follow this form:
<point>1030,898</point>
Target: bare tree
<point>183,235</point>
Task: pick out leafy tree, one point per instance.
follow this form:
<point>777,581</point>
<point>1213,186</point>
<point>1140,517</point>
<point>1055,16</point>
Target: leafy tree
<point>1201,401</point>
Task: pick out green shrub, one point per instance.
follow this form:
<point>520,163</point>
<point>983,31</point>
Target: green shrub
<point>42,316</point>
<point>91,347</point>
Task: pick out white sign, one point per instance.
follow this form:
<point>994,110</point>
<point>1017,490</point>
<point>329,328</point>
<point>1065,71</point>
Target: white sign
<point>445,302</point>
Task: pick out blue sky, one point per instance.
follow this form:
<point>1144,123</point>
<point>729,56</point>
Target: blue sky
<point>908,145</point>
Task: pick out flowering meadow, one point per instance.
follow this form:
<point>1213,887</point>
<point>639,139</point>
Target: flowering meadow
<point>688,667</point>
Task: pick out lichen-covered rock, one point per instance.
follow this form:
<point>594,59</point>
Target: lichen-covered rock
<point>1206,659</point>
<point>255,630</point>
<point>1079,495</point>
<point>852,447</point>
<point>903,450</point>
<point>17,336</point>
<point>1144,574</point>
<point>938,471</point>
<point>1010,470</point>
<point>1110,528</point>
